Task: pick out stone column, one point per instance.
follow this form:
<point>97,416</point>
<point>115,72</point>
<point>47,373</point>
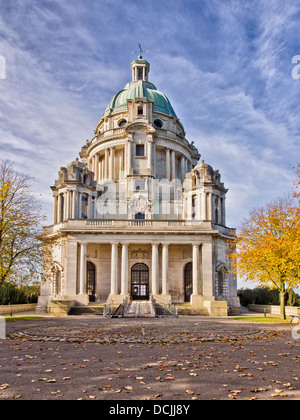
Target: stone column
<point>165,263</point>
<point>96,177</point>
<point>129,155</point>
<point>149,164</point>
<point>79,204</point>
<point>196,298</point>
<point>124,273</point>
<point>209,206</point>
<point>74,202</point>
<point>155,270</point>
<point>114,268</point>
<point>82,275</point>
<point>69,285</point>
<point>182,168</point>
<point>168,169</point>
<point>173,165</point>
<point>207,269</point>
<point>89,209</point>
<point>195,269</point>
<point>65,209</point>
<point>59,208</point>
<point>106,164</point>
<point>111,164</point>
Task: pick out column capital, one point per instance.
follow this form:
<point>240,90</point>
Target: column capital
<point>115,243</point>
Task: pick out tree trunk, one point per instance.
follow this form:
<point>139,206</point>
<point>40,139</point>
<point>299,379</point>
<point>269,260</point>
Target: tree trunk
<point>282,301</point>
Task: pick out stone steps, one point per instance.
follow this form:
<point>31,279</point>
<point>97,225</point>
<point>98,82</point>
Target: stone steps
<point>91,309</point>
<point>139,309</point>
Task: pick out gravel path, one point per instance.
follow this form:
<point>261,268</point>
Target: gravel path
<point>187,358</point>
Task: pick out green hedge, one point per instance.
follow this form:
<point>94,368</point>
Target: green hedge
<point>14,295</point>
<point>266,296</point>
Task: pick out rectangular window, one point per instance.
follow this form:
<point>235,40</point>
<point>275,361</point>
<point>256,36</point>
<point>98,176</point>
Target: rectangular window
<point>140,216</point>
<point>140,110</point>
<point>140,150</point>
<point>140,74</point>
<point>84,207</point>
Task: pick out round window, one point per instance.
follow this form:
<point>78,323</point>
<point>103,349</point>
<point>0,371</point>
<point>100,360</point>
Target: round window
<point>122,123</point>
<point>158,123</point>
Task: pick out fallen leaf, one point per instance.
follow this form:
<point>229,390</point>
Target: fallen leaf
<point>258,390</point>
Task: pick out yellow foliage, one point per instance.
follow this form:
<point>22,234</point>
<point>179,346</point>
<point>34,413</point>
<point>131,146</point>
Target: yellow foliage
<point>268,246</point>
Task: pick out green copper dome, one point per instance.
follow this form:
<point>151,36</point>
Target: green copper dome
<point>140,89</point>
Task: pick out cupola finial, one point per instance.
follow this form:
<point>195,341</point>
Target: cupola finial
<point>141,51</point>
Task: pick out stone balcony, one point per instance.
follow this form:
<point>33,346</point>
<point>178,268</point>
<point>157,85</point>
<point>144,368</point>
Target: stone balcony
<point>160,226</point>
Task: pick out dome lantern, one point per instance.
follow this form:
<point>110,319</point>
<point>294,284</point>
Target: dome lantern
<point>140,69</point>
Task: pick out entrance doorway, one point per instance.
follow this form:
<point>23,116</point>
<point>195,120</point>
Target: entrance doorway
<point>140,282</point>
<point>91,281</point>
<point>188,282</point>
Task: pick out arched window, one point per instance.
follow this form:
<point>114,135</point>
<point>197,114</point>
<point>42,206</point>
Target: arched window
<point>91,281</point>
<point>216,211</point>
<point>188,282</point>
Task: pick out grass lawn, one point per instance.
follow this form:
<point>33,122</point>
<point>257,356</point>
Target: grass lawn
<point>269,320</point>
<point>19,318</point>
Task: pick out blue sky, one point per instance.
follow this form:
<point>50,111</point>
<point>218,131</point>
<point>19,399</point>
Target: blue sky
<point>226,67</point>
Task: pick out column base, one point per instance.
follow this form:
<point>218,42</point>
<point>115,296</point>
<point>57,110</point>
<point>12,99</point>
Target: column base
<point>117,299</point>
<point>82,299</point>
<point>163,299</point>
<point>216,308</point>
<point>198,300</point>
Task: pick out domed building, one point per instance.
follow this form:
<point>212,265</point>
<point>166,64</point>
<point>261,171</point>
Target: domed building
<point>137,217</point>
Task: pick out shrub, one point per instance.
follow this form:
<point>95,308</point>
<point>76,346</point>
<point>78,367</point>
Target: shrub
<point>12,294</point>
<point>266,296</point>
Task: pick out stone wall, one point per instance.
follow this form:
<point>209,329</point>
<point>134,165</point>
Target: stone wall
<point>7,309</point>
<point>274,309</point>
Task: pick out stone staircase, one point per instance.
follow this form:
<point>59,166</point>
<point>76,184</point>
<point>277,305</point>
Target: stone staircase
<point>90,309</point>
<point>139,309</point>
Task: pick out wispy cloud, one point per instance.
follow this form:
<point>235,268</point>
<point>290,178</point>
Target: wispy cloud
<point>225,66</point>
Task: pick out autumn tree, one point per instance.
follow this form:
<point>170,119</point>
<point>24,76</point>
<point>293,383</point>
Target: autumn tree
<point>297,183</point>
<point>268,247</point>
<point>21,238</point>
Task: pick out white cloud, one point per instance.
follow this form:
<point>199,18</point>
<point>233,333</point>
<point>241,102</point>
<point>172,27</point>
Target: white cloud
<point>220,63</point>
